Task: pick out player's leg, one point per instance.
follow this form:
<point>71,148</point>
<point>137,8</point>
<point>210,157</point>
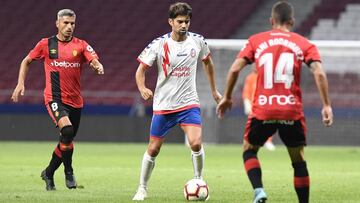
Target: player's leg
<point>48,174</point>
<point>254,138</point>
<point>253,171</point>
<point>160,125</point>
<point>193,134</point>
<point>55,111</point>
<point>190,122</point>
<point>67,148</point>
<point>67,154</point>
<point>293,134</point>
<point>301,174</point>
<point>147,166</point>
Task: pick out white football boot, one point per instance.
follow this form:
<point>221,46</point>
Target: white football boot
<point>141,194</point>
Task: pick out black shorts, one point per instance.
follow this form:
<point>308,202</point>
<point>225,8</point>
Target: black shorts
<point>291,132</point>
<point>57,110</point>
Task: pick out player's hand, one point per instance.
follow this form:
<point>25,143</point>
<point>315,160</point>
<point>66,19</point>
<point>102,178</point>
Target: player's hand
<point>327,115</point>
<point>99,69</point>
<point>217,96</point>
<point>19,90</point>
<point>224,105</point>
<point>97,66</point>
<point>146,93</point>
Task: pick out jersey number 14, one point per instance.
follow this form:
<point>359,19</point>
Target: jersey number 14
<point>283,70</point>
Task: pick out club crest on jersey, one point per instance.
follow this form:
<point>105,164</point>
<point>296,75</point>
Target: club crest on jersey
<point>52,51</point>
<point>56,114</point>
<point>193,53</point>
<point>74,52</point>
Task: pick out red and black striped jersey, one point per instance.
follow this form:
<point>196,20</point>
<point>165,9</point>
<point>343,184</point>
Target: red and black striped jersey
<point>278,57</point>
<point>63,62</point>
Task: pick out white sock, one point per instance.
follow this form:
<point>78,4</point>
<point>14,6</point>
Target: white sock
<point>198,162</point>
<point>147,166</point>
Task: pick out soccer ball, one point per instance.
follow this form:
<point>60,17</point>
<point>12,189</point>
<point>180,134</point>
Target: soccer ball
<point>196,190</point>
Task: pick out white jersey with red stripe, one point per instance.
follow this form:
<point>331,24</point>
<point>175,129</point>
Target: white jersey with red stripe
<point>177,64</point>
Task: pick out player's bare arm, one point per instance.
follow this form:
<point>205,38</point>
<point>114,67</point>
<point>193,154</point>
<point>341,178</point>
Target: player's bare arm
<point>323,88</point>
<point>226,102</point>
<point>146,93</point>
<point>20,87</point>
<point>210,73</point>
<point>97,66</point>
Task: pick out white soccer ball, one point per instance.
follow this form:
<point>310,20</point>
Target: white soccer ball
<point>196,190</point>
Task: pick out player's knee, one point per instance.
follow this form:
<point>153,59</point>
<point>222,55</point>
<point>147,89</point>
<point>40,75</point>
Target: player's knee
<point>153,151</point>
<point>248,154</point>
<point>67,134</point>
<point>299,165</point>
<point>195,146</point>
<point>195,143</point>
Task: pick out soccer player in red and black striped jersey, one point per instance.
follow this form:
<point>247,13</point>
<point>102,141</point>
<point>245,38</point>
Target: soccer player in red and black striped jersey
<point>64,56</point>
<point>278,55</point>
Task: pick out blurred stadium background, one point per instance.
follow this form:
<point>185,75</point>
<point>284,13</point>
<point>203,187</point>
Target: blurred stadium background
<point>119,30</point>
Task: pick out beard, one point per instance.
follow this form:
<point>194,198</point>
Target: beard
<point>182,32</point>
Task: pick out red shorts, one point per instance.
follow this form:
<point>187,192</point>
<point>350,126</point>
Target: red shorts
<point>291,132</point>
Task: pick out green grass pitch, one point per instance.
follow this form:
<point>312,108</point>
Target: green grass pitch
<point>109,172</point>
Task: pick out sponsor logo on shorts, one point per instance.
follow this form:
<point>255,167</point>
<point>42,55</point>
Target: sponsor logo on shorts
<point>282,122</point>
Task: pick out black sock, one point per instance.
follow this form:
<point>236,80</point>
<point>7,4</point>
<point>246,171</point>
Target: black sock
<point>66,153</point>
<point>301,181</point>
<point>55,162</point>
<point>252,167</point>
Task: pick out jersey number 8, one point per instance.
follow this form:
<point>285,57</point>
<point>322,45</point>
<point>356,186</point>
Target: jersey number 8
<point>54,106</point>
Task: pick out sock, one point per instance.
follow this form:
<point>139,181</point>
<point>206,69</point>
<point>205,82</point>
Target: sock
<point>198,162</point>
<point>253,169</point>
<point>147,166</point>
<point>66,154</point>
<point>301,181</point>
<point>55,162</point>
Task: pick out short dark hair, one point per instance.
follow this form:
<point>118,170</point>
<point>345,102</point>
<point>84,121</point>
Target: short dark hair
<point>282,12</point>
<point>180,9</point>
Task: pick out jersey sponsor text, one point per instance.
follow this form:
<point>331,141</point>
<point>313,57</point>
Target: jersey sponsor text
<point>65,64</point>
<point>278,99</point>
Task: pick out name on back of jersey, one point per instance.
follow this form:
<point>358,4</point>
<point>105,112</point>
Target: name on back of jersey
<point>280,41</point>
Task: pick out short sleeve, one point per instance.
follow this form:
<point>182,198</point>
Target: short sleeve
<point>148,55</point>
<point>89,52</point>
<point>247,52</point>
<point>205,51</point>
<point>311,54</point>
<point>38,52</point>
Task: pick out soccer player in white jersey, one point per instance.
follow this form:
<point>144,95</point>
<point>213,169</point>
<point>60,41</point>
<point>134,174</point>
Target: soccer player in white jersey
<point>175,100</point>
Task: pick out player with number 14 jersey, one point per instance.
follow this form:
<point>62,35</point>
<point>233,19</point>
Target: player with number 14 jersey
<point>278,56</point>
